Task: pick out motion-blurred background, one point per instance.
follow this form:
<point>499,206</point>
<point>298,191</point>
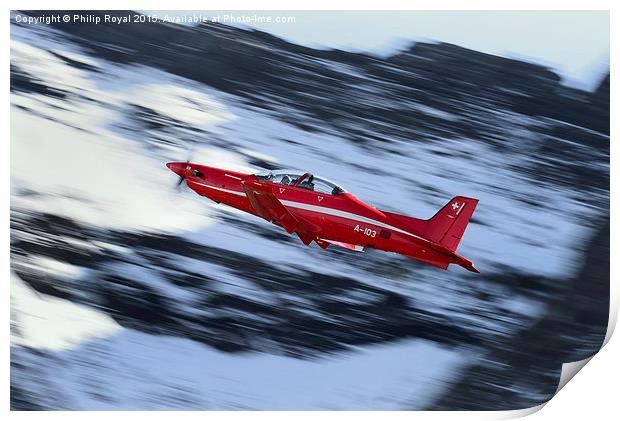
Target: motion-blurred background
<point>127,294</point>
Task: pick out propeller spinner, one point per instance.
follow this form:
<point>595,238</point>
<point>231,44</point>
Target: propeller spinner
<point>178,168</point>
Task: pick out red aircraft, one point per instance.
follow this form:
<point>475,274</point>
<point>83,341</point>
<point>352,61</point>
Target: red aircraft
<point>318,210</point>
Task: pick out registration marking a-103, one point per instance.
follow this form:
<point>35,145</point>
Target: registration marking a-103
<point>366,231</point>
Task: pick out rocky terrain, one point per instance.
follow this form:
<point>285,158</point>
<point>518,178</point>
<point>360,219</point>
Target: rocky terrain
<point>194,306</point>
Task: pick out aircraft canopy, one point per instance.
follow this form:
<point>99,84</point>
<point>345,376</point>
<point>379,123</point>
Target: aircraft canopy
<point>304,180</point>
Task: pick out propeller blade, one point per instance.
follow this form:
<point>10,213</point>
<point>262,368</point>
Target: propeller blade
<point>181,179</point>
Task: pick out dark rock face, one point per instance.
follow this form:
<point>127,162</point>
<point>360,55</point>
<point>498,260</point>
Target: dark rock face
<point>273,73</point>
<point>23,82</point>
<point>233,323</point>
<point>425,94</point>
<point>573,329</point>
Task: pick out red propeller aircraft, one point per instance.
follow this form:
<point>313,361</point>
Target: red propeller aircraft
<point>318,210</point>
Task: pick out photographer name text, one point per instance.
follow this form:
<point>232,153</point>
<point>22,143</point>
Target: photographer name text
<point>190,19</point>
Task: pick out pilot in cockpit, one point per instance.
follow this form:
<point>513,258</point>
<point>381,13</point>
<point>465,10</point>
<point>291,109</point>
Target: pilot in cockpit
<point>286,180</point>
<point>308,183</point>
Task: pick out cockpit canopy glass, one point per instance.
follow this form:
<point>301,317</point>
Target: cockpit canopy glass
<point>301,180</point>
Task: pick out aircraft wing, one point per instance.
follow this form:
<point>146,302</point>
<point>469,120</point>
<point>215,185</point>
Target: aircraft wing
<point>268,207</point>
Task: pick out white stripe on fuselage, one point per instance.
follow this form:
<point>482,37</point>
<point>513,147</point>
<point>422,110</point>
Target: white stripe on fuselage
<point>347,215</point>
<point>322,209</point>
<point>238,193</point>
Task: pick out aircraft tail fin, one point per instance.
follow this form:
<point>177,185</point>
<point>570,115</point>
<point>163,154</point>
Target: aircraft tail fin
<point>448,225</point>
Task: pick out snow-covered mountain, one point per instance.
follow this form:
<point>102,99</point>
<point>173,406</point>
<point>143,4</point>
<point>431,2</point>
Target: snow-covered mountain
<point>190,305</point>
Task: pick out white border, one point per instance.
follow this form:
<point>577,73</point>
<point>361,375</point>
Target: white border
<point>592,394</point>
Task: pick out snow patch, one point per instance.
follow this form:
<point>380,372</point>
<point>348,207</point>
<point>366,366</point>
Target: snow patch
<point>51,323</point>
<point>55,267</point>
<point>400,376</point>
<point>94,175</point>
<point>182,104</point>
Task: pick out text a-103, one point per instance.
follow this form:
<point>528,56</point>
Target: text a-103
<point>366,231</point>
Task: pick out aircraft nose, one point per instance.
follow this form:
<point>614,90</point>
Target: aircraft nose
<point>176,167</point>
